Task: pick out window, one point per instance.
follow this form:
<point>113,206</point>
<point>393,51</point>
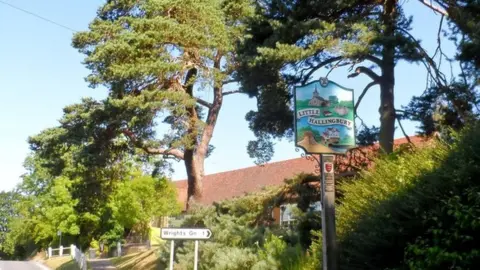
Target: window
<point>287,215</point>
<point>316,206</point>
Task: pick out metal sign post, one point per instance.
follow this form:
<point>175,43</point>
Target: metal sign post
<point>185,234</point>
<point>325,125</point>
<point>328,212</point>
<point>195,264</point>
<point>172,249</point>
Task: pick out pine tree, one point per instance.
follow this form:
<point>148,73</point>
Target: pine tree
<point>440,109</point>
<point>464,16</point>
<point>154,56</point>
<point>455,105</point>
<point>297,38</point>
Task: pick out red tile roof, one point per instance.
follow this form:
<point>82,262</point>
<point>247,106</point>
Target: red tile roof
<point>230,184</point>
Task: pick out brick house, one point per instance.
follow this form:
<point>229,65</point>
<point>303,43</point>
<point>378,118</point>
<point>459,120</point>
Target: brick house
<point>230,184</point>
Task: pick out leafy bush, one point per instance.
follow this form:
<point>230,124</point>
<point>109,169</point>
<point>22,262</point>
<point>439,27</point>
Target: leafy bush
<point>453,227</point>
<point>244,237</point>
<point>277,254</point>
<point>139,198</point>
<point>416,210</point>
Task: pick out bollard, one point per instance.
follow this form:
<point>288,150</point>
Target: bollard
<point>49,252</point>
<point>60,251</point>
<point>72,251</point>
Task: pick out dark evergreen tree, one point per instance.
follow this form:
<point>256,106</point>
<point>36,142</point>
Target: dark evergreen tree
<point>454,105</point>
<point>290,40</point>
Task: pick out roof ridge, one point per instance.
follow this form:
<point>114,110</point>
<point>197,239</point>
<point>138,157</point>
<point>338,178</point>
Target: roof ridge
<point>248,167</point>
<point>281,161</point>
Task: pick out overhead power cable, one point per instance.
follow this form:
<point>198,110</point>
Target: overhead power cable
<point>38,16</point>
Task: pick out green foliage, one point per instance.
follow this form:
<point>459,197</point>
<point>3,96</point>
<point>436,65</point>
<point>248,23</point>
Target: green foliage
<point>8,211</point>
<point>453,226</point>
<point>149,55</point>
<point>415,210</point>
<point>442,108</point>
<point>367,135</point>
<point>308,223</point>
<point>155,58</point>
<point>143,50</point>
<point>40,217</point>
<point>465,21</point>
<point>38,214</point>
<point>276,254</point>
<point>455,104</point>
<point>135,201</point>
<point>49,203</point>
<point>244,236</point>
<point>289,41</point>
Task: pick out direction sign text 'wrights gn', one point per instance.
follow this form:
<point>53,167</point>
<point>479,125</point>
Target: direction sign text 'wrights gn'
<point>184,233</point>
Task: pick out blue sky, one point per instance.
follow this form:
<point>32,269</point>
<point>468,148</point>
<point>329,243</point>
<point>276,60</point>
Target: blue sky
<point>40,73</point>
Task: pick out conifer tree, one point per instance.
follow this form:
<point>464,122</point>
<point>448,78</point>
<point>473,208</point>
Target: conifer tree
<point>154,57</point>
<point>291,40</point>
<point>455,105</point>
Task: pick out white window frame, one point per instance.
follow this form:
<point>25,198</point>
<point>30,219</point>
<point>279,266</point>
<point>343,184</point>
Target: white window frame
<point>290,218</point>
<point>314,207</point>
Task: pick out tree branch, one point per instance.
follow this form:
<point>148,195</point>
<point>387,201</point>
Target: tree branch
<point>363,94</point>
<point>434,8</point>
<point>322,64</point>
<point>439,77</point>
<point>370,73</point>
<point>374,59</point>
<point>151,150</point>
<point>334,67</point>
<point>231,92</point>
<point>212,117</point>
<point>403,130</point>
<point>439,40</point>
<point>204,103</point>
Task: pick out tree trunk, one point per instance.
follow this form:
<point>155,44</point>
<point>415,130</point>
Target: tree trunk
<point>387,83</point>
<point>195,159</point>
<point>195,155</point>
<point>195,169</point>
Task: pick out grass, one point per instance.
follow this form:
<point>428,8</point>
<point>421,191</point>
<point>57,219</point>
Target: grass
<point>62,263</point>
<point>71,265</point>
<point>141,260</point>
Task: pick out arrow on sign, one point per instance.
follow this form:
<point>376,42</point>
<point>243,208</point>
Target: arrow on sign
<point>185,233</point>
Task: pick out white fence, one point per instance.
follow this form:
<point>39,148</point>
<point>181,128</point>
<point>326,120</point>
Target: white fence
<point>72,251</point>
<point>79,257</point>
<point>59,252</point>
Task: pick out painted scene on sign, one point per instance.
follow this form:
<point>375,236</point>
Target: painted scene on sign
<point>324,118</point>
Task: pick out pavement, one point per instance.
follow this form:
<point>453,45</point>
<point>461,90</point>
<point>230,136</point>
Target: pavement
<point>100,264</point>
<point>21,265</point>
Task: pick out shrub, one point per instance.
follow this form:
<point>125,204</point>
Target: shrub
<point>243,237</point>
<point>449,240</point>
<point>416,210</point>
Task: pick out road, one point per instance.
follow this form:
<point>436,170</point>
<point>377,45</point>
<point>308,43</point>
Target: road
<point>19,265</point>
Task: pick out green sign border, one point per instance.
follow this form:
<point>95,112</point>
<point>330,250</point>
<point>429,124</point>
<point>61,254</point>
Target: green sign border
<point>295,112</point>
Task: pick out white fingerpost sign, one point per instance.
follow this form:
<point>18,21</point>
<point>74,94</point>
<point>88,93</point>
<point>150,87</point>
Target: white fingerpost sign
<point>185,234</point>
